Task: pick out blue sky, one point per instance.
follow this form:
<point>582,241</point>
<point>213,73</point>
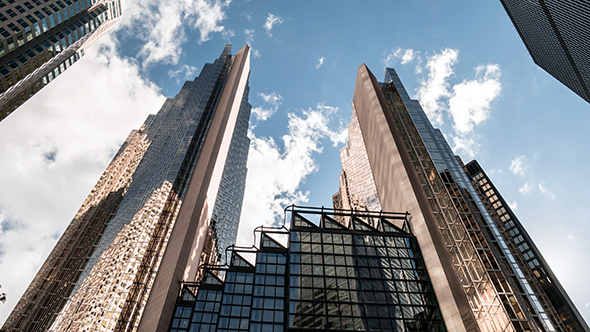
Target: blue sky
<point>462,59</point>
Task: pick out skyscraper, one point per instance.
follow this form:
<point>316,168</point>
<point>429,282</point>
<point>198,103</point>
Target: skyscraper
<point>331,276</point>
<point>557,35</point>
<point>39,40</point>
<point>486,273</point>
<point>153,216</point>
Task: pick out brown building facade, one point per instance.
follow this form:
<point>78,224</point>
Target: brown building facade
<point>480,277</point>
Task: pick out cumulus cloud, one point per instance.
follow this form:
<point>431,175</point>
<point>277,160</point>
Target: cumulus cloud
<point>273,99</point>
<point>517,166</point>
<point>436,86</point>
<point>571,237</point>
<point>525,189</point>
<point>54,149</point>
<point>470,103</point>
<point>321,62</point>
<point>161,25</point>
<point>466,103</point>
<point>406,56</point>
<point>275,174</point>
<point>271,21</point>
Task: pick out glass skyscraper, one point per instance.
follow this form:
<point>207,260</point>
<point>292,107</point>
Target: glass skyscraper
<point>557,35</point>
<point>159,211</point>
<point>363,273</point>
<point>486,272</point>
<point>39,40</point>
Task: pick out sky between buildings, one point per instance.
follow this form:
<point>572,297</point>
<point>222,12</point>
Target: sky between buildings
<point>463,60</point>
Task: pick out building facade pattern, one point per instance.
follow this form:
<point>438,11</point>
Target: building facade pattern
<point>228,206</point>
<point>39,40</point>
<point>111,286</point>
<point>557,35</point>
<point>503,289</point>
<point>447,163</point>
<point>526,252</point>
<point>328,278</point>
<point>357,186</point>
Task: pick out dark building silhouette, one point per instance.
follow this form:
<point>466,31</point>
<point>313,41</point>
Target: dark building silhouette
<point>557,35</point>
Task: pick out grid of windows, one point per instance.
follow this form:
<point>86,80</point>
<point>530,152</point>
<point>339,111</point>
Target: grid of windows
<point>529,259</point>
<point>359,282</point>
<point>37,41</point>
<point>330,277</point>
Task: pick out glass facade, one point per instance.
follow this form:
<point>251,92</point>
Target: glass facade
<point>38,41</point>
<point>366,276</point>
<point>557,35</point>
<point>357,186</point>
<point>529,258</point>
<point>100,274</point>
<point>503,278</point>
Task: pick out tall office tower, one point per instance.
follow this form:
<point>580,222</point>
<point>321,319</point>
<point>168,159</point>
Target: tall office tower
<point>484,271</point>
<point>149,220</point>
<point>331,276</point>
<point>39,40</point>
<point>557,35</point>
<point>520,241</point>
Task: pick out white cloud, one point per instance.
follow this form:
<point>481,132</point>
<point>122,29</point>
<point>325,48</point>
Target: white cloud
<point>464,144</point>
<point>249,36</point>
<point>161,25</point>
<point>525,189</point>
<point>275,174</point>
<point>470,103</point>
<point>273,99</point>
<point>406,56</point>
<point>54,149</point>
<point>571,237</point>
<point>321,62</point>
<point>517,166</point>
<point>185,72</point>
<point>436,86</point>
<point>467,103</point>
<point>249,40</point>
<point>271,20</point>
<point>227,34</point>
<point>513,205</point>
<point>545,191</point>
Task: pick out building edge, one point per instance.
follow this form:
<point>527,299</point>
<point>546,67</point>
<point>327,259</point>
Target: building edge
<point>182,256</point>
